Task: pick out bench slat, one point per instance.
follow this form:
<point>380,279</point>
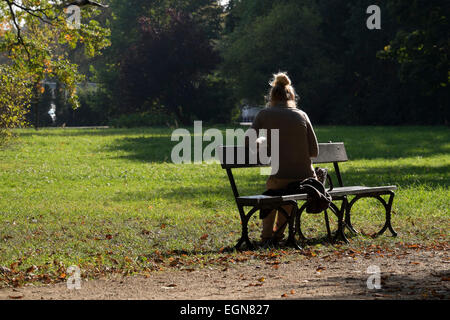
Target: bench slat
<point>358,190</point>
<point>336,192</point>
<point>232,157</point>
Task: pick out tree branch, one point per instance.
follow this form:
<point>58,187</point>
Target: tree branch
<point>20,40</point>
<point>32,12</point>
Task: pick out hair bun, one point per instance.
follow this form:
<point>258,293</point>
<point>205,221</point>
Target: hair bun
<point>280,79</point>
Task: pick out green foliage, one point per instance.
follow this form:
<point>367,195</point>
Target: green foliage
<point>37,40</point>
<point>174,57</point>
<point>138,72</point>
<point>90,112</point>
<point>421,44</point>
<point>343,72</point>
<point>15,95</point>
<point>287,38</point>
<point>214,102</point>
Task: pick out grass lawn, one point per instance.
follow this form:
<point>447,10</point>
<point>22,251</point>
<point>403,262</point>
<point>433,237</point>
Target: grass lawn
<point>110,199</point>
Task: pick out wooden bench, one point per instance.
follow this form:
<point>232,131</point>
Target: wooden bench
<point>233,157</point>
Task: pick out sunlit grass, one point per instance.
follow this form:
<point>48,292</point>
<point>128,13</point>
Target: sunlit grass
<point>108,196</point>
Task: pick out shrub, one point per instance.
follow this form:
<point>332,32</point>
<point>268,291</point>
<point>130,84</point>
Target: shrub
<point>15,97</point>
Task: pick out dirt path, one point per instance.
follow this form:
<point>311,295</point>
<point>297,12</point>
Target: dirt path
<point>412,275</point>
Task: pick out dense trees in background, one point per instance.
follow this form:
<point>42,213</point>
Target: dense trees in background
<point>179,60</point>
<point>279,36</point>
<point>173,57</point>
<point>344,73</point>
<point>163,60</point>
<point>420,49</point>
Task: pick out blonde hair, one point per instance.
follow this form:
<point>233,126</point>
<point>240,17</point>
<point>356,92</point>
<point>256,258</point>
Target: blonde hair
<point>282,91</point>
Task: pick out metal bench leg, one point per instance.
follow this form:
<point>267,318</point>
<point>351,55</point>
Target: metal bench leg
<point>298,229</point>
<point>348,208</point>
<point>340,215</point>
<point>291,238</point>
<point>244,236</point>
<point>327,224</point>
<point>388,207</point>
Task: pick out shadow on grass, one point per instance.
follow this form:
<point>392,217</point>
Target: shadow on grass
<point>201,192</point>
<point>388,142</point>
<point>258,247</point>
<point>144,149</point>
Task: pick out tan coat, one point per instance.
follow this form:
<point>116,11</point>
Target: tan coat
<point>298,142</point>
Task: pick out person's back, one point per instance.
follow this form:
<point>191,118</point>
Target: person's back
<point>297,141</point>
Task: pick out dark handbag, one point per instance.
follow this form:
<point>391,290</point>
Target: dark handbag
<point>318,198</point>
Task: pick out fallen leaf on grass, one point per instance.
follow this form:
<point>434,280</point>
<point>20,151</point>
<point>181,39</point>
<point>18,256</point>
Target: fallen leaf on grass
<point>284,295</point>
<point>14,266</point>
<point>262,279</point>
<point>204,237</point>
<point>292,291</point>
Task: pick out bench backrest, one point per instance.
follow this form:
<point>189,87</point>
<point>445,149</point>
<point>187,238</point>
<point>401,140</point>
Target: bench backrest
<point>231,157</point>
<point>331,152</point>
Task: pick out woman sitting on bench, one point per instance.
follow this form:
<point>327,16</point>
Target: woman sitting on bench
<point>298,144</point>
